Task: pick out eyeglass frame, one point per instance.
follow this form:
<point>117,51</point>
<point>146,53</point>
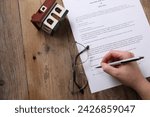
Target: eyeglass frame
<point>81,88</point>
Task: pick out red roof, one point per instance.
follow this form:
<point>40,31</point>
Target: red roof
<point>38,17</point>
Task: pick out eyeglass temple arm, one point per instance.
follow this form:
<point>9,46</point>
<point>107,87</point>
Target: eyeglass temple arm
<point>74,80</point>
<point>85,49</point>
<point>74,74</point>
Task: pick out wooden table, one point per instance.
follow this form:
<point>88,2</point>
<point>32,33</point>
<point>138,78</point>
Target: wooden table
<point>34,65</point>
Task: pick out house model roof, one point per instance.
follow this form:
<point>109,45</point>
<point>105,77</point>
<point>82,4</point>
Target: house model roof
<point>39,16</point>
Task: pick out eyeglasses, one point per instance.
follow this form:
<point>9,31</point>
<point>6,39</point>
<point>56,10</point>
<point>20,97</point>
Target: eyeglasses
<point>79,82</point>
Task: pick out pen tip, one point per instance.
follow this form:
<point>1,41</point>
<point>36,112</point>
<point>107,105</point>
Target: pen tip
<point>99,67</point>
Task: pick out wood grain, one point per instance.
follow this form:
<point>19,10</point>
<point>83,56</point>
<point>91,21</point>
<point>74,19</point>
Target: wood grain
<point>13,82</point>
<point>34,65</point>
<point>47,58</point>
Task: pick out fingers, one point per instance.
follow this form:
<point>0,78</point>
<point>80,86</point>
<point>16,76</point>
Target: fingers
<point>113,56</point>
<point>109,69</point>
<point>116,55</point>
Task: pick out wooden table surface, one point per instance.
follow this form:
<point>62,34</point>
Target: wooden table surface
<point>34,65</point>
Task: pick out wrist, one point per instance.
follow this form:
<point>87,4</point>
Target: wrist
<point>142,88</point>
<point>139,83</point>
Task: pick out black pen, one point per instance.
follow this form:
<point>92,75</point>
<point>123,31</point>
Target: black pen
<point>124,61</point>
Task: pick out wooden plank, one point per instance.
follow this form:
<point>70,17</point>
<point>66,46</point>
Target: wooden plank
<point>13,83</point>
<point>47,58</point>
<point>146,7</point>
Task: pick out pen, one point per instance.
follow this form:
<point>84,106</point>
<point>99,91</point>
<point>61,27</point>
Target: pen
<point>124,61</point>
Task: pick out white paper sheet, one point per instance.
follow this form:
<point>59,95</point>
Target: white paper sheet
<point>109,25</point>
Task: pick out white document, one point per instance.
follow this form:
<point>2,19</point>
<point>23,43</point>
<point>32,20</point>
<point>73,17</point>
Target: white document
<point>107,25</point>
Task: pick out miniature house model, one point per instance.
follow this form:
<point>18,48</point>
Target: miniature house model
<point>48,16</point>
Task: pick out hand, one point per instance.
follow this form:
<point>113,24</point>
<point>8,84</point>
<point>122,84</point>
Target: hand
<point>129,74</point>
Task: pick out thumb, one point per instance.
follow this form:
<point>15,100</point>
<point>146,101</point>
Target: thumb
<point>109,69</point>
